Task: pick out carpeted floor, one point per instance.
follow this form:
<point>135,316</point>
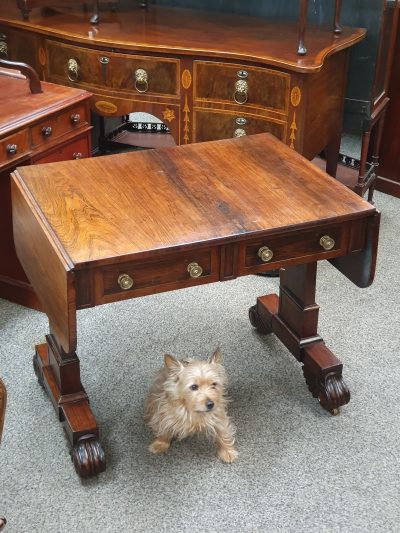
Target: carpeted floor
<point>300,469</point>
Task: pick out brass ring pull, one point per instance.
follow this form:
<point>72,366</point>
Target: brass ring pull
<point>141,80</point>
<point>265,254</point>
<point>125,281</point>
<point>72,70</point>
<point>195,270</point>
<point>75,118</point>
<point>11,149</point>
<point>327,242</point>
<point>239,132</point>
<point>3,49</point>
<point>241,90</point>
<point>47,131</point>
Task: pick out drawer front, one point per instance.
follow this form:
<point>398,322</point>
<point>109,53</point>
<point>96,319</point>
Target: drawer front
<point>14,147</point>
<point>210,125</point>
<point>241,85</point>
<point>276,252</point>
<point>46,131</point>
<point>158,275</point>
<point>77,149</point>
<point>125,72</point>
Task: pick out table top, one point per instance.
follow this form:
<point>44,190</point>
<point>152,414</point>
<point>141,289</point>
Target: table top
<point>188,31</point>
<point>135,204</point>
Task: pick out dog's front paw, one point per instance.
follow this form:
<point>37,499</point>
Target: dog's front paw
<point>227,455</point>
<point>159,446</point>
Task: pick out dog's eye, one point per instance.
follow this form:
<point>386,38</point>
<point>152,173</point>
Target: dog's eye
<point>214,385</point>
<point>194,387</point>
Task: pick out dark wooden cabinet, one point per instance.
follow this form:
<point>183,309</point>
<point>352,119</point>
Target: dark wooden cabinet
<point>52,125</point>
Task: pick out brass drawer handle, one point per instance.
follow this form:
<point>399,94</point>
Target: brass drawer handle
<point>327,242</point>
<point>125,281</point>
<point>241,90</point>
<point>3,49</point>
<point>239,132</point>
<point>195,270</point>
<point>47,131</point>
<point>141,83</point>
<point>72,69</point>
<point>11,149</point>
<point>241,121</point>
<point>265,254</point>
<point>77,155</point>
<point>75,118</point>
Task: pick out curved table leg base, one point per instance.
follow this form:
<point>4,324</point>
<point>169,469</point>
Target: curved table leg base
<point>88,456</point>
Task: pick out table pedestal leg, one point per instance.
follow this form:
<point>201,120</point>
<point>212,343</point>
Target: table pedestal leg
<point>59,374</point>
<point>293,317</point>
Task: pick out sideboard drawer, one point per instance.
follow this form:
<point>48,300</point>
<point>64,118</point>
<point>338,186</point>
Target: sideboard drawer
<point>78,149</point>
<point>174,271</point>
<point>241,85</point>
<point>122,72</point>
<point>211,125</point>
<point>55,126</point>
<point>316,244</point>
<point>14,147</point>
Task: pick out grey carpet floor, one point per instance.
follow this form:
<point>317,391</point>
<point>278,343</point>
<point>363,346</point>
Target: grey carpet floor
<point>300,469</point>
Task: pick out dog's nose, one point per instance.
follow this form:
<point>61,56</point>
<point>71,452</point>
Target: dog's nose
<point>209,405</point>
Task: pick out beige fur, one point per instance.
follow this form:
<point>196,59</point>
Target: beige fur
<point>188,397</point>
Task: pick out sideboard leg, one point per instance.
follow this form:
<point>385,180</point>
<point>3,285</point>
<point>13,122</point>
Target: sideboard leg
<point>293,317</point>
<point>59,374</point>
<point>332,155</point>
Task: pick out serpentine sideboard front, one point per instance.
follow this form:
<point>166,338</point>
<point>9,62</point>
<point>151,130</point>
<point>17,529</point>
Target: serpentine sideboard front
<point>207,76</point>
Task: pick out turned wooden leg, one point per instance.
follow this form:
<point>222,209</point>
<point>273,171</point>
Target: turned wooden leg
<point>301,48</point>
<point>336,25</point>
<point>59,374</point>
<point>94,19</point>
<point>293,317</point>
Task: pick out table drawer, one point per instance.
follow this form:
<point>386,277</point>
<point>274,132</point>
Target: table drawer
<point>211,125</point>
<point>168,272</point>
<point>14,147</point>
<point>78,149</point>
<point>46,131</point>
<point>241,85</point>
<point>277,251</point>
<point>125,72</point>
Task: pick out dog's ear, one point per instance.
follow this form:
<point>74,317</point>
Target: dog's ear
<point>172,364</point>
<point>216,357</point>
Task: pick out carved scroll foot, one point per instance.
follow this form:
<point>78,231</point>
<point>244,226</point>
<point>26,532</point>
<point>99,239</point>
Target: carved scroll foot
<point>323,374</point>
<point>88,456</point>
<point>258,321</point>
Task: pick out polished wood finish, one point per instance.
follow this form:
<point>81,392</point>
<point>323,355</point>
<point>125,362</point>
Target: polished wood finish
<point>197,67</point>
<point>92,231</point>
<point>48,125</point>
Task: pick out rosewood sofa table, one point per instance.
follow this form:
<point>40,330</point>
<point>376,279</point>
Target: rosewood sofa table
<point>99,230</point>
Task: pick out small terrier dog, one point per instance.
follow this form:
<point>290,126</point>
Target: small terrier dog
<point>188,397</point>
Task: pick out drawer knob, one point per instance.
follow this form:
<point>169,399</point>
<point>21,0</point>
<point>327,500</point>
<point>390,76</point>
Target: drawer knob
<point>47,131</point>
<point>239,132</point>
<point>72,69</point>
<point>75,118</point>
<point>241,90</point>
<point>265,254</point>
<point>11,149</point>
<point>141,83</point>
<point>327,242</point>
<point>195,270</point>
<point>125,281</point>
<point>3,49</point>
<point>77,155</point>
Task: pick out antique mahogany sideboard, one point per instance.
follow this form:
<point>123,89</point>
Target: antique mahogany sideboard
<point>52,123</point>
<point>92,231</point>
<point>207,76</point>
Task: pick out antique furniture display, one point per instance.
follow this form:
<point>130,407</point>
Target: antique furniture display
<point>206,77</point>
<point>39,122</point>
<point>225,211</point>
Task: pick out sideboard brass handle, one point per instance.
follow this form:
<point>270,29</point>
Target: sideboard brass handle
<point>11,149</point>
<point>265,254</point>
<point>3,49</point>
<point>75,118</point>
<point>141,83</point>
<point>47,131</point>
<point>72,69</point>
<point>241,91</point>
<point>239,132</point>
<point>77,155</point>
<point>125,281</point>
<point>195,270</point>
<point>327,242</point>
